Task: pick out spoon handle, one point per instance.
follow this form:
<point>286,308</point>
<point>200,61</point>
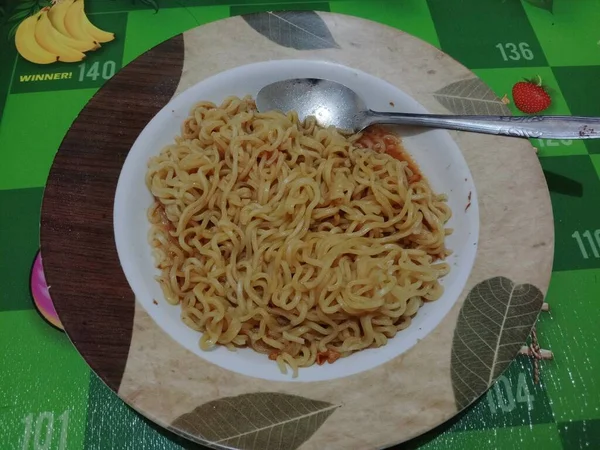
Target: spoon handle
<point>543,127</point>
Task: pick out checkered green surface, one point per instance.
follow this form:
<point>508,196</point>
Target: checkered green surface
<point>49,399</point>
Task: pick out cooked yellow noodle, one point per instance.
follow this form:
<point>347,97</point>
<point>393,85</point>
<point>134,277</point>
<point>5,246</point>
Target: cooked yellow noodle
<point>297,241</point>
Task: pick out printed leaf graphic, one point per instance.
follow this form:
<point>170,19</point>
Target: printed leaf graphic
<point>302,30</point>
<point>16,17</point>
<point>471,97</point>
<point>544,4</point>
<point>258,421</point>
<point>493,324</point>
<point>13,29</point>
<point>24,5</point>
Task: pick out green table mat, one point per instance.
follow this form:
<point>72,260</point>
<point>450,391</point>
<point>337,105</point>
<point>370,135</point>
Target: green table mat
<point>49,398</point>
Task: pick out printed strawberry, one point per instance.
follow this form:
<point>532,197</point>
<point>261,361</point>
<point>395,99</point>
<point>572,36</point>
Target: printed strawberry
<point>530,96</point>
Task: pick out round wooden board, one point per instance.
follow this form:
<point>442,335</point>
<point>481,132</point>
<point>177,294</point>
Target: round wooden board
<point>391,403</point>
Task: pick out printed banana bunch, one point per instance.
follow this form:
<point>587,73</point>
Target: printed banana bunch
<point>61,32</point>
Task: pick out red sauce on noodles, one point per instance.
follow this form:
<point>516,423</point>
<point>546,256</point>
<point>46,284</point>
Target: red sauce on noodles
<point>379,139</point>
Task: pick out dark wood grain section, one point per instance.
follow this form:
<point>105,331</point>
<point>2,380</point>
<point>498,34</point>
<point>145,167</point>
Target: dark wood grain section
<point>88,287</point>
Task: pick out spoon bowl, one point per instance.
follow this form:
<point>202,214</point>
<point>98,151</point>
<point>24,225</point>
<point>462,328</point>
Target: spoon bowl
<point>331,103</point>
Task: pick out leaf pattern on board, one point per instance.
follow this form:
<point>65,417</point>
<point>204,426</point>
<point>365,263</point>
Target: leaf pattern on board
<point>493,324</point>
<point>302,30</point>
<point>257,421</point>
<point>471,97</point>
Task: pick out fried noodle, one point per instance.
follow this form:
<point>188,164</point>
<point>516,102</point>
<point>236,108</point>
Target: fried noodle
<point>297,241</point>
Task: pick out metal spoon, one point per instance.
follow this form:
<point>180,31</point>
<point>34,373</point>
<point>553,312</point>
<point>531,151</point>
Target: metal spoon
<point>334,104</point>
